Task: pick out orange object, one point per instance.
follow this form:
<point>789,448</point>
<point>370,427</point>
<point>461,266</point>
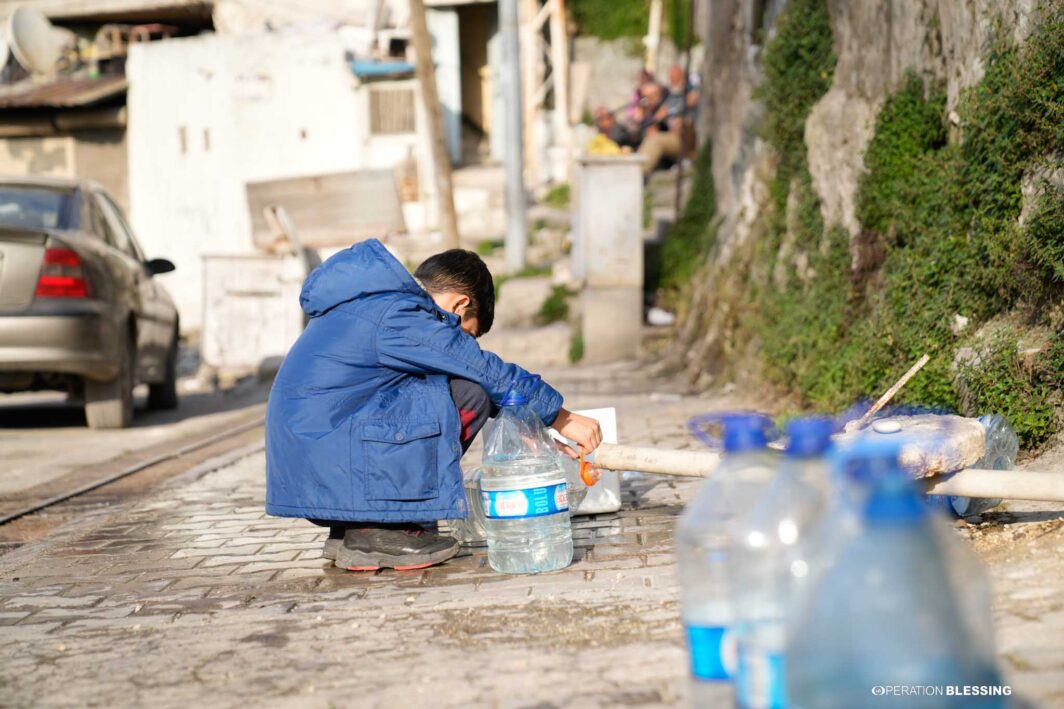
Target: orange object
<point>588,473</point>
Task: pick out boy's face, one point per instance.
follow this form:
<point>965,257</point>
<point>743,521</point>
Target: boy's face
<point>458,304</point>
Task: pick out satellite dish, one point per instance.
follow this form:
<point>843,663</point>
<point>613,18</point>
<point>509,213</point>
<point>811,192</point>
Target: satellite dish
<point>36,43</point>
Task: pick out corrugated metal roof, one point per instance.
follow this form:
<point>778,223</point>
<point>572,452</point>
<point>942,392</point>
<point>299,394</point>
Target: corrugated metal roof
<point>60,93</point>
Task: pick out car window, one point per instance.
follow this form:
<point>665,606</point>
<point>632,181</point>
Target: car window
<point>117,235</point>
<point>32,207</point>
<point>117,212</point>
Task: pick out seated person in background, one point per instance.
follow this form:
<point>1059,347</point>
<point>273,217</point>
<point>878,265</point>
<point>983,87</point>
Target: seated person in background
<point>609,126</point>
<point>682,95</point>
<point>659,140</point>
<point>651,113</point>
<point>644,79</point>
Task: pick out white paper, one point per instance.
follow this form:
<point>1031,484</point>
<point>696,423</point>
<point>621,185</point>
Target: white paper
<point>605,495</point>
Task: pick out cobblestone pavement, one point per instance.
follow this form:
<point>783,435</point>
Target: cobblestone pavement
<point>193,596</point>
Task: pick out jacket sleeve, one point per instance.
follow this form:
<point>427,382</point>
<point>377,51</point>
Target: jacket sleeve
<point>412,338</point>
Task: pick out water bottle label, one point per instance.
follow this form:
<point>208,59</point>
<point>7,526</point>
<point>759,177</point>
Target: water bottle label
<point>761,684</point>
<point>712,650</point>
<point>530,502</point>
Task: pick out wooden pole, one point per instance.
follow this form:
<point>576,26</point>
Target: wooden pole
<point>889,394</point>
<point>533,69</point>
<point>653,39</point>
<point>441,160</point>
<point>678,207</point>
<point>559,63</point>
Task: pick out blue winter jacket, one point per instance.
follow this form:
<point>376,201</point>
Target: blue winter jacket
<point>360,424</point>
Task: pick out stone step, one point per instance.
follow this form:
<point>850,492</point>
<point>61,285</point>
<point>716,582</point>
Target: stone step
<point>531,347</point>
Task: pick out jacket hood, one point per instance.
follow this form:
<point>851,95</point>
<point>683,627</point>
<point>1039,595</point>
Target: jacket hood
<point>362,270</point>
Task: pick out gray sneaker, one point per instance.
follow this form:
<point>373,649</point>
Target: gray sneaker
<point>333,543</point>
<point>331,547</point>
<point>393,546</point>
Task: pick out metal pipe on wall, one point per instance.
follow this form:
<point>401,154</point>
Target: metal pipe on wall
<point>513,131</point>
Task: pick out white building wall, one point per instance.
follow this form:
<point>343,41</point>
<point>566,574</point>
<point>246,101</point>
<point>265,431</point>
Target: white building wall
<point>211,113</point>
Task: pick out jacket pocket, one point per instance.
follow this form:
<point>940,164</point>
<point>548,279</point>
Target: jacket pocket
<point>399,459</point>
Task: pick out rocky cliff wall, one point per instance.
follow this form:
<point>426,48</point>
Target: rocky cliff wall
<point>873,163</point>
<point>877,44</point>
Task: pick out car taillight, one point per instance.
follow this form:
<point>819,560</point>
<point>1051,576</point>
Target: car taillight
<point>62,275</point>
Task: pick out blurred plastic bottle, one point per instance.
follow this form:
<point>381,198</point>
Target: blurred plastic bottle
<point>523,493</point>
<point>768,569</point>
<point>886,614</point>
<point>842,521</point>
<point>703,548</point>
<point>470,531</point>
<point>999,453</point>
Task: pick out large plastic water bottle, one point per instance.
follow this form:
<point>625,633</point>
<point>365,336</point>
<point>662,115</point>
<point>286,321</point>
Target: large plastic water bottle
<point>999,453</point>
<point>703,548</point>
<point>523,493</point>
<point>843,520</point>
<point>886,615</point>
<point>769,566</point>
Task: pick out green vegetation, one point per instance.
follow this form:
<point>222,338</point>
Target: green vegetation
<point>941,237</point>
<point>797,67</point>
<point>629,19</point>
<point>676,22</point>
<point>693,235</point>
<point>611,19</point>
<point>1025,393</point>
<point>576,346</point>
<point>485,248</point>
<point>556,306</point>
<point>558,196</point>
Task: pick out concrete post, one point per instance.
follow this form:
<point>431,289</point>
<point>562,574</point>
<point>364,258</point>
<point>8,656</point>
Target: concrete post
<point>608,254</point>
<point>510,75</point>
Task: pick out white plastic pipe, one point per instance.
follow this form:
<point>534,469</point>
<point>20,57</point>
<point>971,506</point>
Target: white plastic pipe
<point>691,464</point>
<point>1005,484</point>
<point>971,482</point>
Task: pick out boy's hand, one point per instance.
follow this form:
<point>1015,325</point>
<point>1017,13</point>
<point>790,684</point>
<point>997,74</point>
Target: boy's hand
<point>585,431</point>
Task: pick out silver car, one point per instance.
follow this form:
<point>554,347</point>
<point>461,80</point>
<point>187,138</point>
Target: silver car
<point>80,309</point>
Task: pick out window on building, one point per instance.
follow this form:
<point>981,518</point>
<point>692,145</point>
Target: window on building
<point>391,110</point>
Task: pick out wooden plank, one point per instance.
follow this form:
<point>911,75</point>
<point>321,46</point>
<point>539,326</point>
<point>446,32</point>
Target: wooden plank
<point>441,161</point>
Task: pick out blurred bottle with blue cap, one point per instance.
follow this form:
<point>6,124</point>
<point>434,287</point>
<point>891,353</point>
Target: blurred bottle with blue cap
<point>703,547</point>
<point>886,613</point>
<point>769,565</point>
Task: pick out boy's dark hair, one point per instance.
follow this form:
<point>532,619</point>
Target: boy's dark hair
<point>461,271</point>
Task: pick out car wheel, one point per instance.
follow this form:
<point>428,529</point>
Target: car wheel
<point>110,404</point>
<point>163,396</point>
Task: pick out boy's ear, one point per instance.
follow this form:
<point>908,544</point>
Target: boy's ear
<point>461,302</point>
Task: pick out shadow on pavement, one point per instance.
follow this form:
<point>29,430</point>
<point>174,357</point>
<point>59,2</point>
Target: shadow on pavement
<point>53,411</point>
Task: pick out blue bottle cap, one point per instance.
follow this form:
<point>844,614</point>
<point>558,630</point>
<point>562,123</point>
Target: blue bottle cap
<point>809,437</point>
<point>893,496</point>
<point>514,398</point>
<point>868,459</point>
<point>895,501</point>
<point>744,432</point>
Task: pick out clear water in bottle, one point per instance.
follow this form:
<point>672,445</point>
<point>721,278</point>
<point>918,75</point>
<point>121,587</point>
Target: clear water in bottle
<point>768,565</point>
<point>843,521</point>
<point>524,494</point>
<point>703,549</point>
<point>886,614</point>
